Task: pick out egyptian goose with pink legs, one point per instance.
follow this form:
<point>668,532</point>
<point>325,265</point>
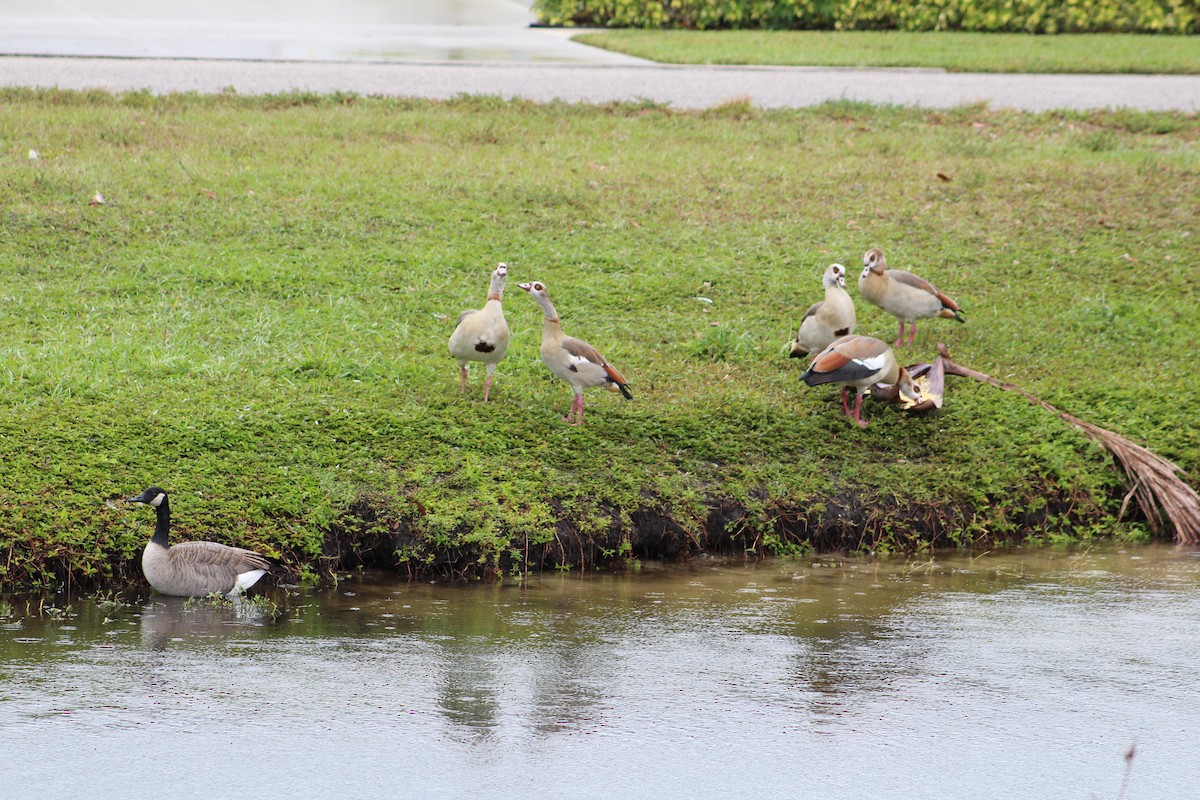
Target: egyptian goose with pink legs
<point>903,295</point>
<point>861,362</point>
<point>827,320</point>
<point>482,335</point>
<point>573,360</point>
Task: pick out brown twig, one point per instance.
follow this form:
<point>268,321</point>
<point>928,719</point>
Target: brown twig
<point>1156,483</point>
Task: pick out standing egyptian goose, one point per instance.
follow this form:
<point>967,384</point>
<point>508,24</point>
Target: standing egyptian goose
<point>862,362</point>
<point>573,360</point>
<point>483,335</point>
<point>903,295</point>
<point>827,320</point>
<point>194,569</point>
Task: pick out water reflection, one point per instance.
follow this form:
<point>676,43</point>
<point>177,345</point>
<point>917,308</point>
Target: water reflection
<point>197,623</point>
<point>1036,669</point>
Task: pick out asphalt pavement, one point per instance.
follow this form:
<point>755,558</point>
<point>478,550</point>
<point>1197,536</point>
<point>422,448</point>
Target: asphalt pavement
<point>440,50</point>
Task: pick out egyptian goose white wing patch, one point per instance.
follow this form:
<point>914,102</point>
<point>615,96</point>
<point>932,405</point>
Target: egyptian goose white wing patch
<point>575,360</point>
<point>872,363</point>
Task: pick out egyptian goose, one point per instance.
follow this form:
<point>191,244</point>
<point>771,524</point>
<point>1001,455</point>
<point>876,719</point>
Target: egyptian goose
<point>827,320</point>
<point>483,335</point>
<point>903,295</point>
<point>194,569</point>
<point>862,362</point>
<point>573,360</point>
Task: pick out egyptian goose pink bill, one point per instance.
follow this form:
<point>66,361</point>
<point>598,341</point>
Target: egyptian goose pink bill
<point>573,360</point>
<point>827,320</point>
<point>482,335</point>
<point>905,296</point>
<point>861,362</point>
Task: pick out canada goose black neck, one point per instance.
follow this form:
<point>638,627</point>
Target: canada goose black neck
<point>162,523</point>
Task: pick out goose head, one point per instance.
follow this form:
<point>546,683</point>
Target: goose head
<point>152,496</point>
<point>873,262</point>
<point>536,289</point>
<point>908,386</point>
<point>835,275</point>
<point>499,276</point>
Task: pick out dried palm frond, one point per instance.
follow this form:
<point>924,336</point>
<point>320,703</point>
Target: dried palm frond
<point>1156,483</point>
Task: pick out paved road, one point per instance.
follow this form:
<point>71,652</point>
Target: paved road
<point>681,87</point>
<point>422,48</point>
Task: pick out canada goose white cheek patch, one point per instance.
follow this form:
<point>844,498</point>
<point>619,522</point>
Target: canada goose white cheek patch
<point>157,501</point>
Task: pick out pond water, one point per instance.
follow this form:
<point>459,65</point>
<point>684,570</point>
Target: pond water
<point>1014,675</point>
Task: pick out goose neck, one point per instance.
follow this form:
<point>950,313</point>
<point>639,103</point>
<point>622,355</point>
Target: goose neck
<point>162,524</point>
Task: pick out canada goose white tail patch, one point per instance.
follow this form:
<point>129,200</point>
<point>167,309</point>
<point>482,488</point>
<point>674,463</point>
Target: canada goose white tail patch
<point>247,579</point>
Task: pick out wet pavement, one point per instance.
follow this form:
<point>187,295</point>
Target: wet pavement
<point>312,30</point>
<point>443,49</point>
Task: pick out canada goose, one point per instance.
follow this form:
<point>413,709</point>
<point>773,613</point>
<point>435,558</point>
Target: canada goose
<point>482,335</point>
<point>903,295</point>
<point>194,569</point>
<point>573,360</point>
<point>827,320</point>
<point>861,362</point>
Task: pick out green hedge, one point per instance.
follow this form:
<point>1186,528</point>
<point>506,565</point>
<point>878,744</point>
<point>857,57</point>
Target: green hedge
<point>1030,16</point>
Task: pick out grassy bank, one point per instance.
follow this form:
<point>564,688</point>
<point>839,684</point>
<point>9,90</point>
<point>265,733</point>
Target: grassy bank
<point>957,52</point>
<point>256,318</point>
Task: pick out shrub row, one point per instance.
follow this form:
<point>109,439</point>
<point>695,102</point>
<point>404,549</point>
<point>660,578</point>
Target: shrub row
<point>1029,16</point>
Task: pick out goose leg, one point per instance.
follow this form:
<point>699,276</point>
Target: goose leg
<point>912,332</point>
<point>845,405</point>
<point>576,410</point>
<point>900,336</point>
<point>464,379</point>
<point>862,423</point>
<point>487,382</point>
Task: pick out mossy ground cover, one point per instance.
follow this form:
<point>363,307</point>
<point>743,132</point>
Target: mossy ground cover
<point>256,319</point>
<point>953,51</point>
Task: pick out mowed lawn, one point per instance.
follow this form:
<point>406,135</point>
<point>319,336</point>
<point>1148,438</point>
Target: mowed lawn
<point>256,316</point>
<point>953,51</point>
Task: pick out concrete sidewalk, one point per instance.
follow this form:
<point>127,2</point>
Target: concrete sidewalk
<point>681,87</point>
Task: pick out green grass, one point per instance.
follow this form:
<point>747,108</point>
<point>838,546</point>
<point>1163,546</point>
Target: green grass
<point>957,52</point>
<point>257,317</point>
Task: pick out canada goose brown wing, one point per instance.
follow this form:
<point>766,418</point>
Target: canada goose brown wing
<point>201,568</point>
<point>200,554</point>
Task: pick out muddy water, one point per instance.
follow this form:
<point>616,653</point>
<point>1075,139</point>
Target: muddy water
<point>1005,676</point>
